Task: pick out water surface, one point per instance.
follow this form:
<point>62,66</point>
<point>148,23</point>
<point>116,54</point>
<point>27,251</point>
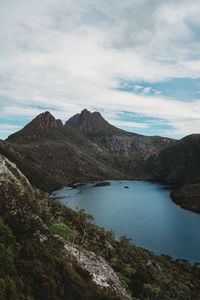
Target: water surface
<point>143,212</point>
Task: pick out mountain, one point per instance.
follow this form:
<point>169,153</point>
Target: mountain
<point>179,162</point>
<point>36,128</point>
<point>52,155</point>
<point>98,130</point>
<point>54,158</point>
<point>48,251</point>
<point>88,147</point>
<point>91,123</point>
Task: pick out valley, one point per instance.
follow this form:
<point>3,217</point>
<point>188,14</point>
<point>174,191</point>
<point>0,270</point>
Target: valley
<point>50,251</point>
<point>52,154</point>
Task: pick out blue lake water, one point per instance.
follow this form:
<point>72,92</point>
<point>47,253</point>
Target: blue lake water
<point>143,212</point>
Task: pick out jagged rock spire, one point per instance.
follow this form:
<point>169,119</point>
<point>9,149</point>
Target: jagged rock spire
<point>45,120</point>
<point>41,122</point>
<point>88,122</point>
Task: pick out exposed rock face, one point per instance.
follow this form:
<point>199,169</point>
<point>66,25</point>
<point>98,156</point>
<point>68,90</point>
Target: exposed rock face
<point>89,122</point>
<point>119,143</point>
<point>9,172</point>
<point>45,120</point>
<point>102,273</point>
<point>52,155</point>
<point>41,122</point>
<point>112,138</point>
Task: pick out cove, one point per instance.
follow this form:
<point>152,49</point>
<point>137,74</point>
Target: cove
<point>143,212</point>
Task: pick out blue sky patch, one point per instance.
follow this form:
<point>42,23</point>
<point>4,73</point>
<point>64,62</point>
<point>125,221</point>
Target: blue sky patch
<point>184,89</point>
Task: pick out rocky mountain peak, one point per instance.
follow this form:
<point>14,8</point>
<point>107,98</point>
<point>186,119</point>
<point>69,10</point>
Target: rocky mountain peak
<point>42,121</point>
<point>85,113</point>
<point>89,122</point>
<point>45,120</point>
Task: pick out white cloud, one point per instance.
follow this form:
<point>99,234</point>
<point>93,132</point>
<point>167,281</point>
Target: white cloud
<point>158,92</point>
<point>147,90</point>
<point>130,124</point>
<point>138,87</point>
<point>7,129</point>
<point>68,55</point>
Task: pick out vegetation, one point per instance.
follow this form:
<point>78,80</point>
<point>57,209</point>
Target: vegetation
<point>52,155</point>
<point>187,196</point>
<point>36,269</point>
<point>34,228</point>
<point>35,265</point>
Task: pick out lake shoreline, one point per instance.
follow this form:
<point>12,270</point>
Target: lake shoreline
<point>173,195</point>
<point>79,189</point>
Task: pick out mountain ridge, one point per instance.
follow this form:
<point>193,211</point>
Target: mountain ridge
<point>87,147</point>
<point>69,152</point>
<point>41,122</point>
<point>89,122</point>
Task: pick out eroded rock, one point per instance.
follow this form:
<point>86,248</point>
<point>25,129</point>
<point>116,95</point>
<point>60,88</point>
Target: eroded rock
<point>102,274</point>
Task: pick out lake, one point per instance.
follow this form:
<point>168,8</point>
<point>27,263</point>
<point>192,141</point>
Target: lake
<point>143,212</point>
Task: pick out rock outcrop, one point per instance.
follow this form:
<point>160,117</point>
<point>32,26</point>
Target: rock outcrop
<point>42,122</point>
<point>45,120</point>
<point>102,274</point>
<point>10,173</point>
<point>89,123</point>
<point>87,147</point>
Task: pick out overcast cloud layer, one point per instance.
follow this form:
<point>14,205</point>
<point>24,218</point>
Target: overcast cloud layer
<point>63,56</point>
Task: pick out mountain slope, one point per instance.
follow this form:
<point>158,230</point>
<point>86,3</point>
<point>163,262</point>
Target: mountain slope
<point>34,263</point>
<point>36,128</point>
<point>187,196</point>
<point>91,123</point>
<point>112,138</point>
<point>177,163</point>
<point>87,147</point>
<point>48,251</point>
<point>58,158</point>
<point>53,155</point>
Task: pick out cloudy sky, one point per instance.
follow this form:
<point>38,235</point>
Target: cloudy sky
<point>135,61</point>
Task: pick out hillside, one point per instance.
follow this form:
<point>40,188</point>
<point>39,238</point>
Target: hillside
<point>48,251</point>
<point>52,155</point>
<point>179,162</point>
<point>187,196</point>
<point>87,147</point>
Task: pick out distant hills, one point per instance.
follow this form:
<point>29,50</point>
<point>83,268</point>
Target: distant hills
<point>87,147</point>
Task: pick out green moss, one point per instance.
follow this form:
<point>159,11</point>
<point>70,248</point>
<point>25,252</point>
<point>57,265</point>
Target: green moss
<point>6,174</point>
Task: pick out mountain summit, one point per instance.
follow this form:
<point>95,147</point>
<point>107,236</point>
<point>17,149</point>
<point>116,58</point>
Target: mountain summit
<point>90,122</point>
<point>43,121</point>
<point>88,148</point>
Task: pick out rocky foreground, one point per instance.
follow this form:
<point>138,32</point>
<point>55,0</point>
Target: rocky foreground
<point>48,251</point>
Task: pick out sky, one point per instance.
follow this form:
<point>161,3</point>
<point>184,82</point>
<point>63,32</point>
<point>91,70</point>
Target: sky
<point>135,61</point>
